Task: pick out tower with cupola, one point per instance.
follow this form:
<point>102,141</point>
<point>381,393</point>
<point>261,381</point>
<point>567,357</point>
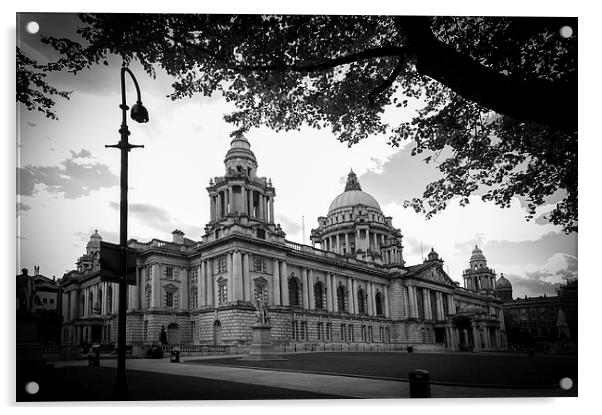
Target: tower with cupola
<point>479,277</point>
<point>240,201</point>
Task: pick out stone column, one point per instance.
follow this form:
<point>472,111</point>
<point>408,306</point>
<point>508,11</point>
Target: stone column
<point>450,304</point>
<point>230,200</point>
<point>412,301</point>
<point>284,284</point>
<point>211,207</point>
<point>375,242</point>
<point>218,201</point>
<point>350,296</point>
<point>425,303</point>
<point>386,295</point>
<point>357,239</point>
<point>272,209</point>
<point>304,289</point>
<point>230,275</point>
<point>276,282</point>
<point>156,287</point>
<point>184,291</point>
<point>237,276</point>
<point>333,292</point>
<point>312,300</point>
<point>328,287</point>
<point>438,306</point>
<point>347,247</point>
<point>337,242</point>
<point>202,289</point>
<point>243,199</point>
<point>475,338</point>
<point>260,202</point>
<point>210,285</point>
<point>367,240</point>
<point>246,278</point>
<point>116,297</point>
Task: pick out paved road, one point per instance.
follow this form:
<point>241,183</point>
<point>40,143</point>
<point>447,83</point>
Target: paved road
<point>304,383</point>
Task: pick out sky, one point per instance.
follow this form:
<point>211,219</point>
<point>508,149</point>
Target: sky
<point>68,182</point>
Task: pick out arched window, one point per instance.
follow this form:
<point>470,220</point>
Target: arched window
<point>293,291</point>
<point>341,298</point>
<point>90,303</point>
<point>361,301</point>
<point>379,304</point>
<point>194,298</point>
<point>109,300</point>
<point>99,297</point>
<point>319,295</point>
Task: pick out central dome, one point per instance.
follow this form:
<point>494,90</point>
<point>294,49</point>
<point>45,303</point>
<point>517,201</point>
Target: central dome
<point>353,196</point>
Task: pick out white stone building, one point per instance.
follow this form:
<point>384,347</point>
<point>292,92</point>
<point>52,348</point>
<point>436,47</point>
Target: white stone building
<point>354,288</point>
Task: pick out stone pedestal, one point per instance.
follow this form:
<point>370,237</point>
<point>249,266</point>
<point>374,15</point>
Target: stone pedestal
<point>262,348</point>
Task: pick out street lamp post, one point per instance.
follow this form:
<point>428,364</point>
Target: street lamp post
<point>138,114</point>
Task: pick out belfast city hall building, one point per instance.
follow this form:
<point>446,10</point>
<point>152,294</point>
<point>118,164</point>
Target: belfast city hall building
<point>351,286</point>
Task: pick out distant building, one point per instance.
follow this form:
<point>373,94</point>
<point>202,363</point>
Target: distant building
<point>355,288</point>
<point>543,319</point>
<point>46,292</point>
<point>46,307</point>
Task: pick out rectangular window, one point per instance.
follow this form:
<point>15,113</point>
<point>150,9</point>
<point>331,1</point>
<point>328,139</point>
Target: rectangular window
<point>320,328</point>
<point>169,272</point>
<point>304,330</point>
<point>222,293</point>
<point>222,265</point>
<point>194,275</point>
<point>381,336</point>
<point>169,299</point>
<point>328,331</point>
<point>351,333</point>
<point>259,264</point>
<point>343,337</point>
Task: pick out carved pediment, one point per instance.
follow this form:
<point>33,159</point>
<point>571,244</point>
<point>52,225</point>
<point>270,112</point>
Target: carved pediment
<point>435,274</point>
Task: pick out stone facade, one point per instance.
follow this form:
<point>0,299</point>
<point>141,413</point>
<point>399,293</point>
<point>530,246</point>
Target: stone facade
<point>354,288</point>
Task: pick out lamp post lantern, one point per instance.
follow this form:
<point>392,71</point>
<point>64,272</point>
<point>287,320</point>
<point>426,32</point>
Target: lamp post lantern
<point>138,114</point>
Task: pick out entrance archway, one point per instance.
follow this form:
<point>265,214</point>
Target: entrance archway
<point>217,332</point>
<point>173,334</point>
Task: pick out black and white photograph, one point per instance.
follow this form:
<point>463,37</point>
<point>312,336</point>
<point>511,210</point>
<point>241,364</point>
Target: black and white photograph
<point>295,206</point>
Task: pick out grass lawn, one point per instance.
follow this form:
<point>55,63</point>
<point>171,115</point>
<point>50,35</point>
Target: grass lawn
<point>467,369</point>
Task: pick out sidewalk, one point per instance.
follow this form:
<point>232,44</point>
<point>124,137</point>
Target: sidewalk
<point>344,386</point>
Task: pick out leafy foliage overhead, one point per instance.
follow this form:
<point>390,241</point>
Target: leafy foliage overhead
<point>498,95</point>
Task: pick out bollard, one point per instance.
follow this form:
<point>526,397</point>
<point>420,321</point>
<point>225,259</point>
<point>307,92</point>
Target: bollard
<point>94,356</point>
<point>410,349</point>
<point>420,383</point>
<point>175,356</point>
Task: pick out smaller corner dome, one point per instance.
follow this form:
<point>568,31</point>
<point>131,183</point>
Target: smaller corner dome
<point>240,147</point>
<point>433,255</point>
<point>477,255</point>
<point>502,282</point>
<point>95,238</point>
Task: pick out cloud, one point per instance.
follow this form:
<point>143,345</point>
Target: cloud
<point>401,177</point>
<point>536,280</point>
<point>22,207</point>
<point>503,252</point>
<point>75,177</point>
<point>289,225</point>
<point>150,215</point>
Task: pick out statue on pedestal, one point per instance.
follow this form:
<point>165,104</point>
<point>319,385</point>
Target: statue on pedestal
<point>261,315</point>
<point>25,292</point>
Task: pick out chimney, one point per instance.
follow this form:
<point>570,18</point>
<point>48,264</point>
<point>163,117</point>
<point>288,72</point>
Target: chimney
<point>178,237</point>
<point>36,270</point>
